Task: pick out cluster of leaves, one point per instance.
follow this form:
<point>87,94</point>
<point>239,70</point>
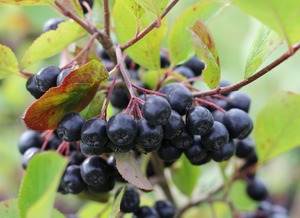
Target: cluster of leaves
<point>276,126</point>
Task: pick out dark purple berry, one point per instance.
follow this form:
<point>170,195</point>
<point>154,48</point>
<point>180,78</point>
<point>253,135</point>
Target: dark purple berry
<point>195,65</point>
<point>184,140</point>
<point>240,100</point>
<point>197,153</point>
<point>121,129</point>
<point>72,181</point>
<point>76,158</point>
<point>95,171</point>
<point>173,126</point>
<point>156,110</point>
<point>32,89</point>
<point>107,186</point>
<point>216,138</point>
<point>69,128</point>
<point>148,136</point>
<point>146,212</point>
<point>130,200</point>
<point>184,71</point>
<point>120,98</point>
<point>29,139</point>
<point>168,152</point>
<point>46,78</point>
<point>164,60</point>
<point>257,190</point>
<point>61,76</point>
<point>88,150</point>
<point>238,123</point>
<point>165,209</point>
<point>225,153</point>
<point>199,120</point>
<point>93,132</point>
<point>130,64</point>
<point>244,147</point>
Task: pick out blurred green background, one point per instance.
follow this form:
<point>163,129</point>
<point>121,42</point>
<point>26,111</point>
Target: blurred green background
<point>233,32</point>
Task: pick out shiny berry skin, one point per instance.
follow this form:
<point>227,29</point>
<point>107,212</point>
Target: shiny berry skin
<point>146,212</point>
<point>52,24</point>
<point>257,190</point>
<point>130,200</point>
<point>72,181</point>
<point>89,150</point>
<point>95,171</point>
<point>121,129</point>
<point>195,65</point>
<point>225,153</point>
<point>28,155</point>
<point>107,186</point>
<point>216,138</point>
<point>32,89</point>
<point>156,110</point>
<point>197,153</point>
<point>46,78</point>
<point>238,123</point>
<point>199,121</point>
<point>165,209</point>
<point>179,97</point>
<point>29,139</point>
<point>173,126</point>
<point>90,3</point>
<point>168,152</point>
<point>93,132</point>
<point>69,128</point>
<point>148,136</point>
<point>76,158</point>
<point>183,140</point>
<point>61,76</point>
<point>184,71</point>
<point>218,115</point>
<point>240,100</point>
<point>244,147</point>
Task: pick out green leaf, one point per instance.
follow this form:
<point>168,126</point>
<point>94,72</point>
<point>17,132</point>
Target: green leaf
<point>116,206</point>
<point>154,6</point>
<point>40,183</point>
<point>8,62</point>
<point>52,42</point>
<point>281,16</point>
<point>265,42</point>
<point>57,214</point>
<point>135,9</point>
<point>180,41</point>
<point>206,51</point>
<point>95,107</point>
<point>185,175</point>
<point>277,126</point>
<point>27,2</point>
<point>74,94</point>
<point>146,51</point>
<point>72,6</point>
<point>9,208</point>
<point>94,209</point>
<point>131,171</point>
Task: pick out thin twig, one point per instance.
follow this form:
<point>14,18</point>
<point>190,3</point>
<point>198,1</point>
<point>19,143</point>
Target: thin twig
<point>106,18</point>
<point>236,86</point>
<point>149,27</point>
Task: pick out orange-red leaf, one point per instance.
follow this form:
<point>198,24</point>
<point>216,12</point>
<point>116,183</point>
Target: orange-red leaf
<point>74,94</point>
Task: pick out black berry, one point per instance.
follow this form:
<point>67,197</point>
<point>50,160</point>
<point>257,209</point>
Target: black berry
<point>225,153</point>
<point>168,152</point>
<point>46,78</point>
<point>244,147</point>
<point>90,3</point>
<point>72,181</point>
<point>52,24</point>
<point>257,190</point>
<point>146,212</point>
<point>197,154</point>
<point>173,126</point>
<point>61,76</point>
<point>165,209</point>
<point>32,89</point>
<point>130,200</point>
<point>29,139</point>
<point>184,71</point>
<point>240,100</point>
<point>195,65</point>
<point>183,140</point>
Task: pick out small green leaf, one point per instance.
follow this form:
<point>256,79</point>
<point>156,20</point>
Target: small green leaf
<point>146,51</point>
<point>52,42</point>
<point>27,2</point>
<point>8,62</point>
<point>277,126</point>
<point>206,51</point>
<point>281,16</point>
<point>131,171</point>
<point>9,209</point>
<point>94,209</point>
<point>116,206</point>
<point>40,183</point>
<point>72,6</point>
<point>95,107</point>
<point>180,42</point>
<point>154,6</point>
<point>185,175</point>
<point>74,94</point>
<point>265,42</point>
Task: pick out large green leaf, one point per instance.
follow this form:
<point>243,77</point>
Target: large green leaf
<point>27,2</point>
<point>72,5</point>
<point>264,43</point>
<point>277,126</point>
<point>95,107</point>
<point>40,183</point>
<point>52,42</point>
<point>154,6</point>
<point>74,94</point>
<point>116,206</point>
<point>185,175</point>
<point>131,171</point>
<point>206,51</point>
<point>8,62</point>
<point>94,209</point>
<point>180,40</point>
<point>281,16</point>
<point>9,208</point>
<point>146,51</point>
